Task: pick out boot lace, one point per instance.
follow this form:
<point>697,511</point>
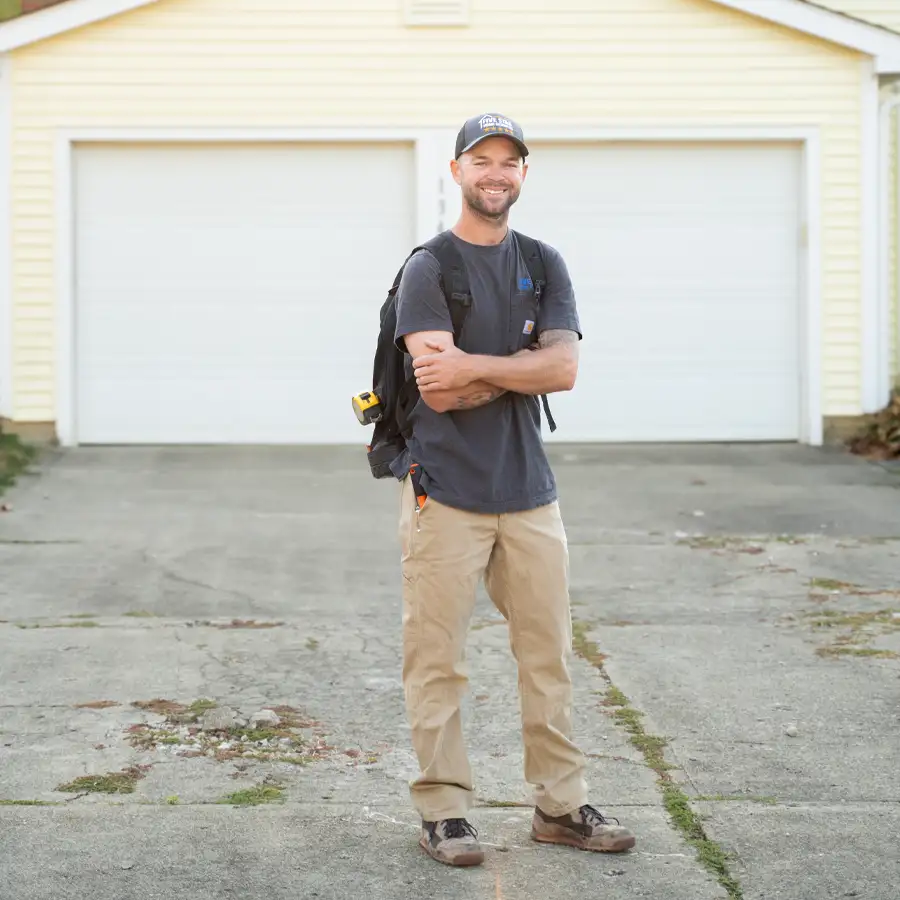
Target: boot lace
<point>591,816</point>
<point>458,828</point>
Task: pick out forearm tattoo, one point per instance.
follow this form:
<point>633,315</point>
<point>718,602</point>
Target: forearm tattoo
<point>479,398</point>
<point>557,336</point>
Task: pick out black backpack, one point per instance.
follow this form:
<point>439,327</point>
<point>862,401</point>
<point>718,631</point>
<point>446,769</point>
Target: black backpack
<point>397,392</point>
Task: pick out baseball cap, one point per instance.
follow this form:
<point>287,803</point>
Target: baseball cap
<point>488,125</point>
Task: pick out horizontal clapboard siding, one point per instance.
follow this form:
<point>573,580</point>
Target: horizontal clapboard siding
<point>885,13</point>
<point>296,63</point>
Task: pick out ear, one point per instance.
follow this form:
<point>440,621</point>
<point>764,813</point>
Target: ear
<point>455,171</point>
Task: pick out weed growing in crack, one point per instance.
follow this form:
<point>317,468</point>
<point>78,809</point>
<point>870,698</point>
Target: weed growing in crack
<point>853,630</point>
<point>255,796</point>
<point>675,800</point>
<point>111,783</point>
<point>288,741</point>
<point>29,803</point>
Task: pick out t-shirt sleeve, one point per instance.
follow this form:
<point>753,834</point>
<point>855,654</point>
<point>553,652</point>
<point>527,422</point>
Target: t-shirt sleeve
<point>421,305</point>
<point>558,309</point>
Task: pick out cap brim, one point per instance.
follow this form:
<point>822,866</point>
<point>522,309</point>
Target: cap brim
<point>484,137</point>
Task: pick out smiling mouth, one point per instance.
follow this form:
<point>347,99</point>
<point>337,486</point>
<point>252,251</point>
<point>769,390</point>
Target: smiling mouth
<point>494,192</point>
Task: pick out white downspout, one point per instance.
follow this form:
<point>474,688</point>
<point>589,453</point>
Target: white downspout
<point>6,306</point>
<point>884,241</point>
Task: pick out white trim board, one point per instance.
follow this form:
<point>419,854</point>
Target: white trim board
<point>6,311</point>
<point>54,20</point>
<point>828,25</point>
<point>872,379</point>
<point>795,14</point>
<point>433,144</point>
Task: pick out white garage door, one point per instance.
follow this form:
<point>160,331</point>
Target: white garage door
<point>231,293</point>
<point>685,260</point>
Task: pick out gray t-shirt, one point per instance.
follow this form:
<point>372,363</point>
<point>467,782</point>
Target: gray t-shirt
<point>490,459</point>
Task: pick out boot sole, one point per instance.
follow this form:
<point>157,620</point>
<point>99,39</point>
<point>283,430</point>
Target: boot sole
<point>619,846</point>
<point>463,860</point>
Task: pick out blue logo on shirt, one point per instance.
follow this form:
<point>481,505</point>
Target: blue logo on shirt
<point>525,284</point>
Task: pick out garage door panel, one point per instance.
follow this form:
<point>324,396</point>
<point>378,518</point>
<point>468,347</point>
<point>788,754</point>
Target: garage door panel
<point>685,264</point>
<point>231,293</point>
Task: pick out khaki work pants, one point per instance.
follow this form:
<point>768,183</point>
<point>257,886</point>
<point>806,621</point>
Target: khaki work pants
<point>524,560</point>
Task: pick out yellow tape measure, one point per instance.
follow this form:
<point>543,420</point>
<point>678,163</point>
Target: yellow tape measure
<point>367,407</point>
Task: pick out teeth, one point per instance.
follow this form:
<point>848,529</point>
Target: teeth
<point>489,191</point>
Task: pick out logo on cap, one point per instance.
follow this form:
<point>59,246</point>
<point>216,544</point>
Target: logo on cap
<point>496,123</point>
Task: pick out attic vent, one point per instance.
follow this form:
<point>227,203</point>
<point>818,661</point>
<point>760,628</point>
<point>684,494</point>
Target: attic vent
<point>436,12</point>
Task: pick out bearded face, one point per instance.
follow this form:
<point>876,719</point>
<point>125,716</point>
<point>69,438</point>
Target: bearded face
<point>491,176</point>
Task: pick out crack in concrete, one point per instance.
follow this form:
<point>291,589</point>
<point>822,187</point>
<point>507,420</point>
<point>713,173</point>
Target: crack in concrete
<point>182,579</point>
<point>684,820</point>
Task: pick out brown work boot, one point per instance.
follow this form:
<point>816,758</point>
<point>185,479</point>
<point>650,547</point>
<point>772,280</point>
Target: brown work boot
<point>585,828</point>
<point>453,842</point>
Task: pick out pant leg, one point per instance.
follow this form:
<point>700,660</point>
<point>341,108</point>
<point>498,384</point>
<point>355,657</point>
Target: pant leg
<point>527,579</point>
<point>445,553</point>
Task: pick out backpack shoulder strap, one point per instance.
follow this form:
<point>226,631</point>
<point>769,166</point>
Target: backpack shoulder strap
<point>454,279</point>
<point>534,261</point>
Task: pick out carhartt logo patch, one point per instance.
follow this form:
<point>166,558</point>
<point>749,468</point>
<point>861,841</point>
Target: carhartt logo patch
<point>529,327</point>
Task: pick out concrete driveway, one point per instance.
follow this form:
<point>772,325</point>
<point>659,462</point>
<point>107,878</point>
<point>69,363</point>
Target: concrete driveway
<point>213,634</point>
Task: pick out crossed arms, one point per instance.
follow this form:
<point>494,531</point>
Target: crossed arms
<point>451,379</point>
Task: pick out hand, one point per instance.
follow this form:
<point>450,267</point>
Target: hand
<point>445,370</point>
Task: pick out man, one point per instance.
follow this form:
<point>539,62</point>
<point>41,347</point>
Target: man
<point>482,501</point>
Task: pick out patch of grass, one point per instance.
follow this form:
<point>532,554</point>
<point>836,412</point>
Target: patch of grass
<point>176,713</point>
<point>853,630</point>
<point>173,800</point>
<point>140,614</point>
<point>111,783</point>
<point>614,697</point>
<point>256,734</point>
<point>81,623</point>
<point>15,457</point>
<point>651,746</point>
<point>295,760</point>
<point>832,584</point>
<point>857,651</point>
<point>29,803</point>
<point>82,616</point>
<point>584,646</point>
<point>720,542</point>
<point>97,704</point>
<point>709,853</point>
<point>311,643</point>
<point>255,796</point>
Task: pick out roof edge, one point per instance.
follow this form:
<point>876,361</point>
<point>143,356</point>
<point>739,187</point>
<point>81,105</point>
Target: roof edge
<point>799,15</point>
<point>54,20</point>
<point>835,27</point>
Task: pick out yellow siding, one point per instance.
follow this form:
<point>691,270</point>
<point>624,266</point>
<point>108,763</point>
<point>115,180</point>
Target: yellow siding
<point>885,13</point>
<point>351,62</point>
